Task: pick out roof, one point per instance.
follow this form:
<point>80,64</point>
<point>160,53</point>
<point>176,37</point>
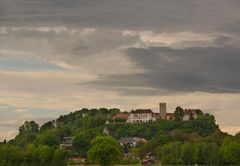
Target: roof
<point>142,111</point>
<point>121,116</point>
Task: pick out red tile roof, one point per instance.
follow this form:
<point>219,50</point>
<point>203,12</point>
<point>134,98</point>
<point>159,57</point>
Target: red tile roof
<point>121,116</point>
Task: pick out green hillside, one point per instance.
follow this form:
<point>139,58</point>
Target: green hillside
<point>170,142</point>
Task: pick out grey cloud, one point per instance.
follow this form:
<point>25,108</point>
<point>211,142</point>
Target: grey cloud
<point>75,47</point>
<point>232,27</point>
<point>9,114</point>
<point>172,15</point>
<point>2,10</point>
<point>210,69</point>
<point>223,40</point>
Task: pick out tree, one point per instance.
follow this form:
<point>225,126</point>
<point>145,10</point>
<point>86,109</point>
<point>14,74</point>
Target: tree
<point>179,114</point>
<point>197,156</point>
<point>237,136</point>
<point>49,138</point>
<point>12,155</point>
<point>105,150</point>
<point>82,141</point>
<point>29,127</point>
<point>60,157</point>
<point>31,153</point>
<point>27,133</point>
<point>171,153</point>
<point>188,153</point>
<point>231,152</point>
<point>210,152</point>
<point>47,126</point>
<point>44,153</point>
<point>204,125</point>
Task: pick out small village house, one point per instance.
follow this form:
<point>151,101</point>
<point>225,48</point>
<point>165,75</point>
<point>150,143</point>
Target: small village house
<point>66,142</point>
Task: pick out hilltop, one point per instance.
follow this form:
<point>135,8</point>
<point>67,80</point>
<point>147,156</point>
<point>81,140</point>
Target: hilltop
<point>168,141</point>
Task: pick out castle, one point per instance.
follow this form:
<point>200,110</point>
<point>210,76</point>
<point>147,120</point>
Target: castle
<point>147,115</point>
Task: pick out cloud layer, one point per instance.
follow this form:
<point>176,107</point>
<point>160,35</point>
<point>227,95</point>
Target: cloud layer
<point>57,56</point>
<point>206,15</point>
<point>209,69</point>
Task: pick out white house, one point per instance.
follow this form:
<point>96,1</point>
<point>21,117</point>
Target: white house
<point>142,116</point>
<point>66,142</point>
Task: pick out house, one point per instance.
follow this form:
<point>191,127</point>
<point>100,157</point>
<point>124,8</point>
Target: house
<point>190,114</point>
<point>131,141</point>
<point>66,142</point>
<point>142,116</point>
<point>147,115</point>
<point>128,142</point>
<point>121,117</point>
<point>170,116</point>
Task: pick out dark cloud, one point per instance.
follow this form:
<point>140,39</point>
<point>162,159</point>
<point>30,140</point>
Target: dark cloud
<point>172,15</point>
<point>232,27</point>
<point>209,69</point>
<point>2,12</point>
<point>223,40</point>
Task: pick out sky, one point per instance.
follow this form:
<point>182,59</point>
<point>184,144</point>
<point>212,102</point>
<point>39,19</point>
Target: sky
<point>57,56</point>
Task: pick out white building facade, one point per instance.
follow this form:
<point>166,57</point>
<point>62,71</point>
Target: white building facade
<point>142,116</point>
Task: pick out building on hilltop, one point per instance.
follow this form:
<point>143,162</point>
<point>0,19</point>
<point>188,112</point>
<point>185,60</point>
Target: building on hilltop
<point>121,117</point>
<point>163,110</point>
<point>147,115</point>
<point>190,114</point>
<point>170,116</point>
<point>142,116</point>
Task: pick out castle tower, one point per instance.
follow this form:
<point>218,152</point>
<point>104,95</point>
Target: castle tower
<point>162,110</point>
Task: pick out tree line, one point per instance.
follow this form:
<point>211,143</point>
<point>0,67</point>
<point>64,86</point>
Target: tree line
<point>175,142</point>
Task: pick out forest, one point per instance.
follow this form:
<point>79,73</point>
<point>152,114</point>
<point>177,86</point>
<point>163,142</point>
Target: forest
<point>171,142</point>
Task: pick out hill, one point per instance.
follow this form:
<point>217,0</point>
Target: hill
<point>168,141</point>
